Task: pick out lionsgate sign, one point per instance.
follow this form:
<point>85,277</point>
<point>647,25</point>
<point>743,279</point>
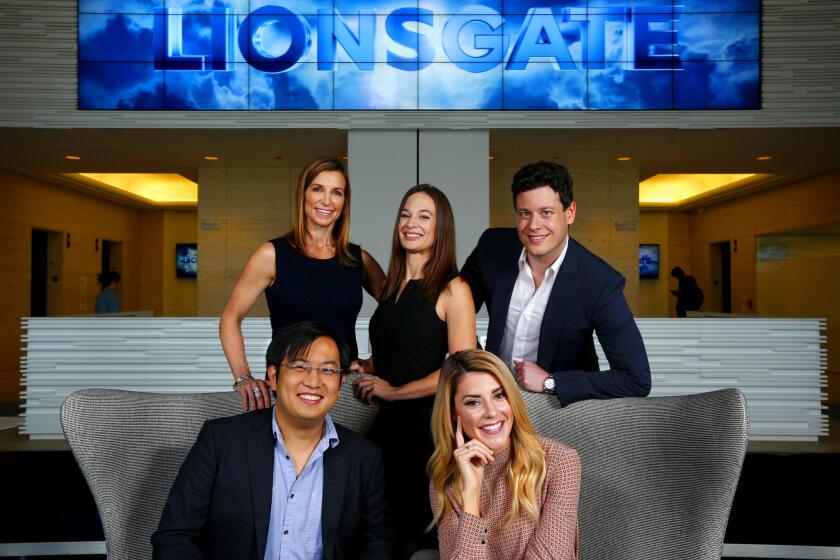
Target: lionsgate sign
<point>398,55</point>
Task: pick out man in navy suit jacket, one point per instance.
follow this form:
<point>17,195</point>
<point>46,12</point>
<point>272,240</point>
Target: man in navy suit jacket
<point>284,479</point>
<point>546,294</point>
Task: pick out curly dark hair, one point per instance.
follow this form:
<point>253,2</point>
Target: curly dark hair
<point>544,174</point>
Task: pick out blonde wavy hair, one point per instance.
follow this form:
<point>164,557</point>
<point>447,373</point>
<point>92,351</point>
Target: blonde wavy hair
<point>341,229</point>
<point>527,457</point>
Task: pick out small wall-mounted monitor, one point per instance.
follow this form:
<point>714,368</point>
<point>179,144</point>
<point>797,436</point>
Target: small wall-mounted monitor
<point>649,260</point>
<point>186,260</point>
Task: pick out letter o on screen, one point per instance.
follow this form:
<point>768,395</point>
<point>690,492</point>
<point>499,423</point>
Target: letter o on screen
<point>273,39</point>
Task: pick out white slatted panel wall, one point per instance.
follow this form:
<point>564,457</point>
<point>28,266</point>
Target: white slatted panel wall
<point>778,363</point>
<point>800,75</point>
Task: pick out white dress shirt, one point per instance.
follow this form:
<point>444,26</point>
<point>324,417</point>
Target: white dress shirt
<point>521,339</point>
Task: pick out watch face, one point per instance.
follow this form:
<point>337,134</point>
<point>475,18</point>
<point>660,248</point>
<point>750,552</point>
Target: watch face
<point>548,384</point>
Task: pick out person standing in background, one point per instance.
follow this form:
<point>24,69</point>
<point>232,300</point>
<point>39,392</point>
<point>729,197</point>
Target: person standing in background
<point>107,300</point>
<point>689,295</point>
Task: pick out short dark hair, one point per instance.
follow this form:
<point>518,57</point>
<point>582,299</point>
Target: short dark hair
<point>296,339</point>
<point>544,174</point>
<point>677,272</point>
<point>108,277</point>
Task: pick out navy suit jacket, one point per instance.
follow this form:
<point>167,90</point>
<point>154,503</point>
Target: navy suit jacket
<point>587,296</point>
<point>220,502</point>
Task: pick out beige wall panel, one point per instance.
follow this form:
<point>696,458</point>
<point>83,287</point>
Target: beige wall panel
<point>592,192</point>
<point>594,234</point>
<point>212,193</point>
<point>151,259</point>
<point>244,208</point>
<point>212,292</point>
<point>653,292</point>
<point>814,201</point>
<point>624,196</point>
<point>622,244</point>
<point>245,235</point>
<point>180,295</point>
<point>212,239</point>
<point>258,193</point>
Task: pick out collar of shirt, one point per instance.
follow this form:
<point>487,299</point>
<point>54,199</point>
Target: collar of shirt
<point>555,266</point>
<point>328,438</point>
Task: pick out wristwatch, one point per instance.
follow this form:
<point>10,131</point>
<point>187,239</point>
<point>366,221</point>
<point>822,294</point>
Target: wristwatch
<point>548,385</point>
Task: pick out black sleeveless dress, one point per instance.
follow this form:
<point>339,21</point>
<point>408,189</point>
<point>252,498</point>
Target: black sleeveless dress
<point>408,342</point>
<point>308,289</point>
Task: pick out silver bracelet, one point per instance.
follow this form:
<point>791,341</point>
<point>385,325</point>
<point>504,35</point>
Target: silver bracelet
<point>241,379</point>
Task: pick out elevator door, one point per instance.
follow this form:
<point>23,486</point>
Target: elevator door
<point>46,273</point>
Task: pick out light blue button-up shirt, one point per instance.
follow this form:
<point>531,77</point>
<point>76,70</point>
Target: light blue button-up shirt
<point>294,528</point>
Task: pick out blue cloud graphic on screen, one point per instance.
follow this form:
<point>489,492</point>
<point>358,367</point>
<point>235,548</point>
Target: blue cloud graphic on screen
<point>399,55</point>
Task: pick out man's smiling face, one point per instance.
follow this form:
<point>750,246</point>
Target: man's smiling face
<point>542,223</point>
<point>303,397</point>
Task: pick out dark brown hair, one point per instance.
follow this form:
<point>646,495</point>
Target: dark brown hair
<point>544,174</point>
<point>341,229</point>
<point>442,267</point>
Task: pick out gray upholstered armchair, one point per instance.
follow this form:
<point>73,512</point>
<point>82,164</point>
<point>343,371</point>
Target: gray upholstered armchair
<point>659,474</point>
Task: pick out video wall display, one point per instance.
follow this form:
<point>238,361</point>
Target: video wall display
<point>409,55</point>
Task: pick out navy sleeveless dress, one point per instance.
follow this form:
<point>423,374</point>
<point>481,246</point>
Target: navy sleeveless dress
<point>308,289</point>
<point>408,342</point>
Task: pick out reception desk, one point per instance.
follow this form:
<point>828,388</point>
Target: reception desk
<point>779,364</point>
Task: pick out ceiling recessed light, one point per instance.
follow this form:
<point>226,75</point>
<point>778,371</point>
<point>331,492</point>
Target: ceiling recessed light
<point>74,158</point>
<point>212,158</point>
<point>764,158</point>
<point>157,188</point>
<point>624,158</point>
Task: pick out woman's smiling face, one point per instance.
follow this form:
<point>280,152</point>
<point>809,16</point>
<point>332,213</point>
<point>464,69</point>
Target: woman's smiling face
<point>482,405</point>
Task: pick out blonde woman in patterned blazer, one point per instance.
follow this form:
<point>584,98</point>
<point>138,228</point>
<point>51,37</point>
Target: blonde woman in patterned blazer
<point>497,489</point>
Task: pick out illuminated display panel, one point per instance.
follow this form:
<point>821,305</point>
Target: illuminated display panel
<point>410,55</point>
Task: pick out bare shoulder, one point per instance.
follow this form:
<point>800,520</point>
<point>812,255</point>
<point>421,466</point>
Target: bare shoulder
<point>458,289</point>
<point>262,259</point>
<point>263,254</point>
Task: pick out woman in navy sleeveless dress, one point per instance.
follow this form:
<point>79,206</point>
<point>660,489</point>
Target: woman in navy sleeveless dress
<point>425,312</point>
<point>312,273</point>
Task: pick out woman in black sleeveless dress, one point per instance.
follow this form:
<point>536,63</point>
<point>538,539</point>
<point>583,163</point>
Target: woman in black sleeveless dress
<point>312,273</point>
<point>425,312</point>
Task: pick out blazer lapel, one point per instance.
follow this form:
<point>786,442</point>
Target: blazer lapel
<point>554,318</point>
<point>336,471</point>
<point>260,451</point>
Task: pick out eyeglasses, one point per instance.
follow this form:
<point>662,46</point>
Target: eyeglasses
<point>305,369</point>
